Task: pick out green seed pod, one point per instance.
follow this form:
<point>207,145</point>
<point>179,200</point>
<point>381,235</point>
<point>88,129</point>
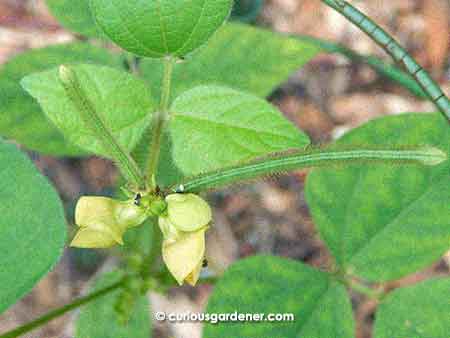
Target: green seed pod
<point>158,28</point>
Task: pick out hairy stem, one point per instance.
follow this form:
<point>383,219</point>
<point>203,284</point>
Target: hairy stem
<point>283,162</point>
<point>59,312</point>
<point>159,120</point>
<point>93,120</point>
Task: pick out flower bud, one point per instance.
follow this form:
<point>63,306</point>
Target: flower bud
<point>184,257</point>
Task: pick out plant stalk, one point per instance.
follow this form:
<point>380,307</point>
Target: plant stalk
<point>159,120</point>
<point>17,332</point>
<point>365,290</point>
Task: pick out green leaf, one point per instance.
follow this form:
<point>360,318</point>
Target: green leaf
<point>75,16</point>
<point>385,222</point>
<point>98,319</point>
<point>419,311</point>
<point>158,28</point>
<point>32,225</point>
<point>212,127</point>
<point>232,58</point>
<point>123,101</point>
<point>22,118</point>
<point>271,285</point>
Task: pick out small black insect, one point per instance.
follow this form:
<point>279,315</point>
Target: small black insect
<point>205,263</point>
<point>137,199</point>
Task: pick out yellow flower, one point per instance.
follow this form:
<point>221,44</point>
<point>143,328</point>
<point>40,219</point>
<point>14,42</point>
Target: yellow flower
<point>184,257</point>
<point>187,212</point>
<point>183,226</point>
<point>103,221</point>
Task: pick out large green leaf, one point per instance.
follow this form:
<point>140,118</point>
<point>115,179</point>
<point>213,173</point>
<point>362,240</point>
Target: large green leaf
<point>32,225</point>
<point>123,101</point>
<point>98,319</point>
<point>75,16</point>
<point>272,285</point>
<point>384,222</point>
<point>22,119</point>
<point>156,28</point>
<point>419,311</point>
<point>238,56</point>
<point>212,127</point>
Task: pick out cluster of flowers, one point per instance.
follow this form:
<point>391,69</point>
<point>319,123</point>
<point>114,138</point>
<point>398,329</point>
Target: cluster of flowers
<point>182,218</point>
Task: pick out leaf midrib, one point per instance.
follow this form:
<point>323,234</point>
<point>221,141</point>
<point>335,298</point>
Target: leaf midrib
<point>231,125</point>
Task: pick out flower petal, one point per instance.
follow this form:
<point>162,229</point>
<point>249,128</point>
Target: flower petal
<point>184,256</point>
<point>99,226</point>
<point>129,215</point>
<point>192,278</point>
<point>170,232</point>
<point>95,209</point>
<point>88,238</point>
<point>188,212</point>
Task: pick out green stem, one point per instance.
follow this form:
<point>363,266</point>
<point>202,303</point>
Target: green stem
<point>159,120</point>
<point>153,263</point>
<point>355,284</point>
<point>92,120</point>
<point>283,162</point>
<point>59,312</point>
<point>363,289</point>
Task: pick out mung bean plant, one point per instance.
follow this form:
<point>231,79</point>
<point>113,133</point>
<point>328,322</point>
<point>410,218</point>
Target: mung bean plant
<point>176,97</point>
